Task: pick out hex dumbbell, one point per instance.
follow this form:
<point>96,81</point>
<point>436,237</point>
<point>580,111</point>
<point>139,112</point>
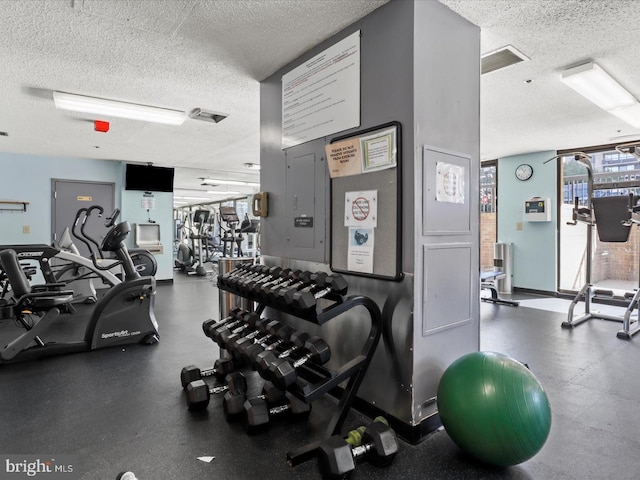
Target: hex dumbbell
<point>233,314</point>
<point>285,295</point>
<point>244,319</point>
<point>261,290</point>
<point>228,335</point>
<point>306,299</point>
<point>261,361</point>
<point>269,292</point>
<point>260,343</point>
<point>283,372</point>
<point>278,334</point>
<point>237,344</point>
<point>199,393</point>
<point>336,457</point>
<point>247,286</point>
<point>258,272</point>
<point>258,414</point>
<point>264,360</point>
<point>233,401</point>
<point>229,277</point>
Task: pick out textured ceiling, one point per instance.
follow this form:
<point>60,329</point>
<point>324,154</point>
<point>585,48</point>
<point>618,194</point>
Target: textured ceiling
<point>519,117</point>
<point>180,54</point>
<point>211,54</point>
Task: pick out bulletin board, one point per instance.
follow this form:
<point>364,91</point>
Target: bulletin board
<point>366,213</point>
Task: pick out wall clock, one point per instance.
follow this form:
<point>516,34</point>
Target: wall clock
<point>524,172</point>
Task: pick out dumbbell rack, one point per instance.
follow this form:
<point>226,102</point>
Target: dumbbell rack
<point>315,380</point>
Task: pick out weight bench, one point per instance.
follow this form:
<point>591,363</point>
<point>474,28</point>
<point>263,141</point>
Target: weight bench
<point>488,281</point>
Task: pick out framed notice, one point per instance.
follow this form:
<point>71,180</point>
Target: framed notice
<point>366,213</point>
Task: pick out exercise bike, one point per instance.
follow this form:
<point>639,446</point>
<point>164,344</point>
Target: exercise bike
<point>62,263</point>
<point>124,315</point>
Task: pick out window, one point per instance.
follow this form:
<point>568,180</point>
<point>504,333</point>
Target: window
<point>488,213</point>
<point>614,266</point>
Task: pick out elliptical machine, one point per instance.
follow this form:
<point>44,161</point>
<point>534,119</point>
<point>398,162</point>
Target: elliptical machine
<point>79,277</point>
<point>124,315</point>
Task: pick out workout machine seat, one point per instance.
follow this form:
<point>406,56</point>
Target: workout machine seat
<point>38,299</point>
<point>611,217</point>
<point>488,281</point>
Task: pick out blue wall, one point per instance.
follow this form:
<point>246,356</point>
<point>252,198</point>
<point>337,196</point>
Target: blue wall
<point>535,245</point>
<point>27,178</point>
<point>162,213</point>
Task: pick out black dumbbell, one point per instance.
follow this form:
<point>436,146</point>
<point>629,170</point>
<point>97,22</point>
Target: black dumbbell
<point>251,344</point>
<point>260,343</point>
<point>306,299</point>
<point>259,290</point>
<point>245,285</point>
<point>258,272</point>
<point>297,340</point>
<point>264,361</point>
<point>336,456</point>
<point>278,334</point>
<point>233,402</point>
<point>191,373</point>
<point>296,281</point>
<point>283,372</point>
<point>267,291</point>
<point>230,280</point>
<point>240,268</point>
<point>237,344</point>
<point>258,414</point>
<point>285,295</point>
<point>199,393</point>
<point>233,314</point>
<point>243,319</point>
<point>229,277</point>
<point>221,368</point>
<point>226,336</point>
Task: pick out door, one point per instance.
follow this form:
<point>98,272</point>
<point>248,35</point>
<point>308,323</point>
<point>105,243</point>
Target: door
<point>68,196</point>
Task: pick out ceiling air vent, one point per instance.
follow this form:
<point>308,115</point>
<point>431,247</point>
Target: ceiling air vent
<point>200,114</point>
<point>501,58</point>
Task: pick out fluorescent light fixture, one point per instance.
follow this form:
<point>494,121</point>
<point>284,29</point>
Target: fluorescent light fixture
<point>223,193</point>
<point>214,181</point>
<point>630,114</point>
<point>192,198</point>
<point>592,82</point>
<point>113,108</point>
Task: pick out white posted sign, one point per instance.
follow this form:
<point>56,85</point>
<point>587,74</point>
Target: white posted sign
<point>322,96</point>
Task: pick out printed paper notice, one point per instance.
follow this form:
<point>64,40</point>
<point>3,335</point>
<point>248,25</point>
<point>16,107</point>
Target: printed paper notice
<point>343,158</point>
<point>361,209</point>
<point>360,255</point>
<point>379,150</point>
<point>322,96</point>
<point>449,183</point>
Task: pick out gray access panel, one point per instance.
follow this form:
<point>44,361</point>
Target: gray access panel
<point>305,203</point>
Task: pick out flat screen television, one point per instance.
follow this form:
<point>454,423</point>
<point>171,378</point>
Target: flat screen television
<point>148,178</point>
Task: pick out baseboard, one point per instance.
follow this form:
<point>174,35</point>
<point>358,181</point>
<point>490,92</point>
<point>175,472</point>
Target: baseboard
<point>532,291</point>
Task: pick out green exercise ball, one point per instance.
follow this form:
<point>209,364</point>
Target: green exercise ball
<point>494,408</point>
